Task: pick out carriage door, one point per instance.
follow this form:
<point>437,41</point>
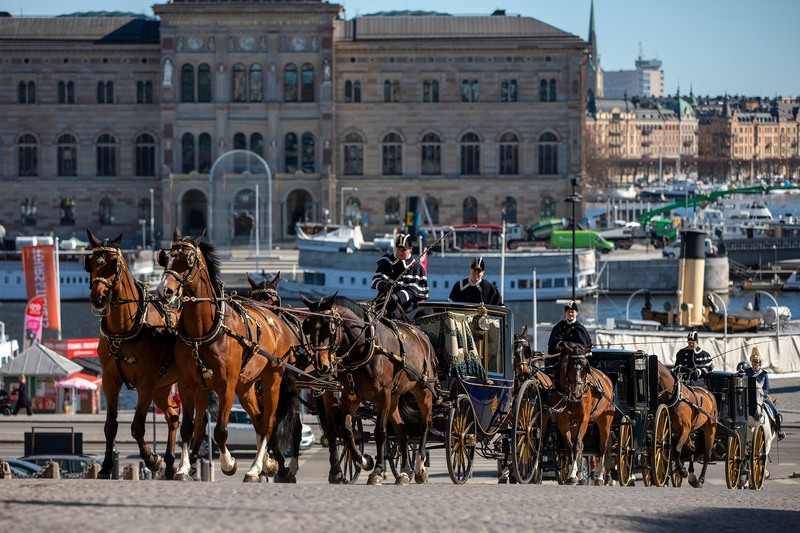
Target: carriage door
<point>299,208</point>
<point>194,212</point>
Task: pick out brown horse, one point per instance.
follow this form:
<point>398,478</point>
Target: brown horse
<point>137,342</point>
<point>691,409</point>
<point>225,345</point>
<point>585,394</point>
<point>327,402</point>
<point>374,360</point>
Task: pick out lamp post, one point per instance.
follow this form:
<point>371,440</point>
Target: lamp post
<point>341,201</point>
<point>152,219</point>
<point>573,199</point>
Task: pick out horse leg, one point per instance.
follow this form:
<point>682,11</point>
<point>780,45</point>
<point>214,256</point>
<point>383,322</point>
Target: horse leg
<point>187,393</point>
<point>172,416</point>
<point>201,420</point>
<point>111,388</point>
<point>401,436</point>
<point>709,435</point>
<point>151,459</point>
<point>329,415</point>
<point>425,402</point>
<point>271,381</point>
<point>285,441</point>
<point>383,403</point>
<point>565,428</point>
<point>349,408</point>
<point>604,429</point>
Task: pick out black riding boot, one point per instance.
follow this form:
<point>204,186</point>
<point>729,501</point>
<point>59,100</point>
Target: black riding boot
<point>778,422</point>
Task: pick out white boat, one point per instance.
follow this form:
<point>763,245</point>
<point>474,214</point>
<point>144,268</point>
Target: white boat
<point>9,348</point>
<point>792,283</point>
<point>329,237</point>
<point>322,272</point>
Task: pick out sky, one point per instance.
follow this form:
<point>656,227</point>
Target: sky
<point>713,47</point>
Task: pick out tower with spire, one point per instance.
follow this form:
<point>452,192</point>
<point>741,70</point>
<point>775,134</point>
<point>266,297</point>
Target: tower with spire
<point>594,71</point>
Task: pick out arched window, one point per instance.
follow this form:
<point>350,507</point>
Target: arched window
<point>308,163</point>
<point>257,145</point>
<point>187,153</point>
<point>144,92</point>
<point>187,83</point>
<point>290,153</point>
<point>431,156</point>
<point>509,211</point>
<point>392,155</point>
<point>290,83</point>
<point>307,82</point>
<point>106,155</point>
<point>353,147</point>
<point>470,155</point>
<point>391,210</point>
<point>548,154</point>
<point>204,159</point>
<point>430,91</point>
<point>470,210</point>
<point>107,212</point>
<point>508,91</point>
<point>548,207</point>
<point>145,155</point>
<point>239,160</point>
<point>203,83</point>
<point>66,92</point>
<point>239,83</point>
<point>28,155</point>
<point>509,154</point>
<point>67,155</point>
<point>256,83</point>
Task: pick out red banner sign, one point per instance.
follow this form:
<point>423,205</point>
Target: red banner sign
<point>33,322</point>
<point>39,265</point>
<point>73,348</point>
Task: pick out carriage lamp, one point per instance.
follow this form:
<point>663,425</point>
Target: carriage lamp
<point>640,364</point>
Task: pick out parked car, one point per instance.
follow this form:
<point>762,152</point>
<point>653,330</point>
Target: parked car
<point>21,468</point>
<point>69,464</point>
<point>242,435</point>
<point>674,250</point>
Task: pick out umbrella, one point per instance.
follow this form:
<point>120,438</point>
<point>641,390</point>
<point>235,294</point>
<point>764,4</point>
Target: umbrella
<point>77,382</point>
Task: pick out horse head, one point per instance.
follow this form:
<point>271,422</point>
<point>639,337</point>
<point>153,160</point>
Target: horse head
<point>265,290</point>
<point>323,329</point>
<point>574,368</point>
<point>181,264</point>
<point>106,265</point>
<point>522,354</point>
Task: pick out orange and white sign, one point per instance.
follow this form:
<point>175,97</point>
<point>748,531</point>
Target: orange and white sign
<point>39,265</point>
<point>73,348</point>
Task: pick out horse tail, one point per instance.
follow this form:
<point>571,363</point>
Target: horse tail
<point>287,418</point>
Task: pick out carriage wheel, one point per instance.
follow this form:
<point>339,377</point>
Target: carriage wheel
<point>758,458</point>
<point>733,462</point>
<point>527,434</point>
<point>676,478</point>
<point>625,454</point>
<point>562,466</point>
<point>396,458</point>
<point>662,445</point>
<point>347,463</point>
<point>461,439</point>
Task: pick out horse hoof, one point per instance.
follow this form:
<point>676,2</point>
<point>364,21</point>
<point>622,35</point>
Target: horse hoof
<point>597,482</point>
<point>503,478</point>
<point>232,471</point>
<point>249,478</point>
<point>262,478</point>
<point>169,473</point>
<point>288,478</point>
<point>368,462</point>
<point>766,474</point>
<point>335,478</point>
<point>270,467</point>
<point>103,475</point>
<point>154,464</point>
<point>402,479</point>
<point>692,480</point>
<point>375,479</point>
<point>180,476</point>
<point>421,478</point>
<point>572,480</point>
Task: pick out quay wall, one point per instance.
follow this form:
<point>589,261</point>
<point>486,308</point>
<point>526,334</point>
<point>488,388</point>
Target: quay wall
<point>660,276</point>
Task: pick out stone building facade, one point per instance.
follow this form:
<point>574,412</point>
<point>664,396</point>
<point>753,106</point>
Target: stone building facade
<point>482,117</point>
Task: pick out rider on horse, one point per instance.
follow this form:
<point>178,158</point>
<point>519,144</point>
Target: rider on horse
<point>568,330</point>
<point>762,376</point>
<point>406,284</point>
<point>693,363</point>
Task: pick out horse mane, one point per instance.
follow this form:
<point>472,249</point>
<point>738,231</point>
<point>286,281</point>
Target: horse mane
<point>213,264</point>
<point>347,303</point>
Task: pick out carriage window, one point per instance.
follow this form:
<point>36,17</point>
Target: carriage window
<point>490,343</point>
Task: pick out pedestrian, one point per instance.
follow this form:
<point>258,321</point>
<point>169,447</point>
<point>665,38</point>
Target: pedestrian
<point>474,289</point>
<point>762,377</point>
<point>567,330</point>
<point>23,400</point>
<point>693,363</point>
<point>401,280</point>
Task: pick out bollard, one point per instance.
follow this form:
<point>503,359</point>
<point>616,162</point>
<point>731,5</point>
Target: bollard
<point>92,470</point>
<point>205,471</point>
<point>51,470</point>
<point>5,470</point>
<point>115,467</point>
<point>130,473</point>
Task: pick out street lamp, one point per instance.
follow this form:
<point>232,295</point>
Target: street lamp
<point>341,202</point>
<point>152,220</point>
<point>573,199</point>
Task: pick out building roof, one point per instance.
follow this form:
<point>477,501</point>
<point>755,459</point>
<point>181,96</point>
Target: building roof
<point>451,27</point>
<point>39,360</point>
<point>104,30</point>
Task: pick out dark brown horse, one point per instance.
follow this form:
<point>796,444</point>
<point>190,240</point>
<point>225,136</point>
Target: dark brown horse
<point>224,345</point>
<point>137,342</point>
<point>585,394</point>
<point>691,409</point>
<point>377,361</point>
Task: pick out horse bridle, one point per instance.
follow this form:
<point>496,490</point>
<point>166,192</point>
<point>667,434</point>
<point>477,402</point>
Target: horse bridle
<point>110,285</point>
<point>192,259</point>
<point>336,325</point>
<point>578,361</point>
<point>521,349</point>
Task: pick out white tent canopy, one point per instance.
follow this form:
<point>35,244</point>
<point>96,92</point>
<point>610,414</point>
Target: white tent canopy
<point>40,361</point>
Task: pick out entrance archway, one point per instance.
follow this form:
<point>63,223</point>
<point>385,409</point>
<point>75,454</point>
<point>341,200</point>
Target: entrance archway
<point>194,206</point>
<point>244,208</point>
<point>299,207</point>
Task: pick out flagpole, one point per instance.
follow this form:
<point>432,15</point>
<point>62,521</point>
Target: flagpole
<point>58,288</point>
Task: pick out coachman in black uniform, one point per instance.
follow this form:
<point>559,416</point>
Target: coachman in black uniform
<point>475,289</point>
<point>405,288</point>
<point>693,363</point>
<point>568,330</point>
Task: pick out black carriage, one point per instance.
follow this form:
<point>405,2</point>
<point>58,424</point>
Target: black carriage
<point>744,455</point>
